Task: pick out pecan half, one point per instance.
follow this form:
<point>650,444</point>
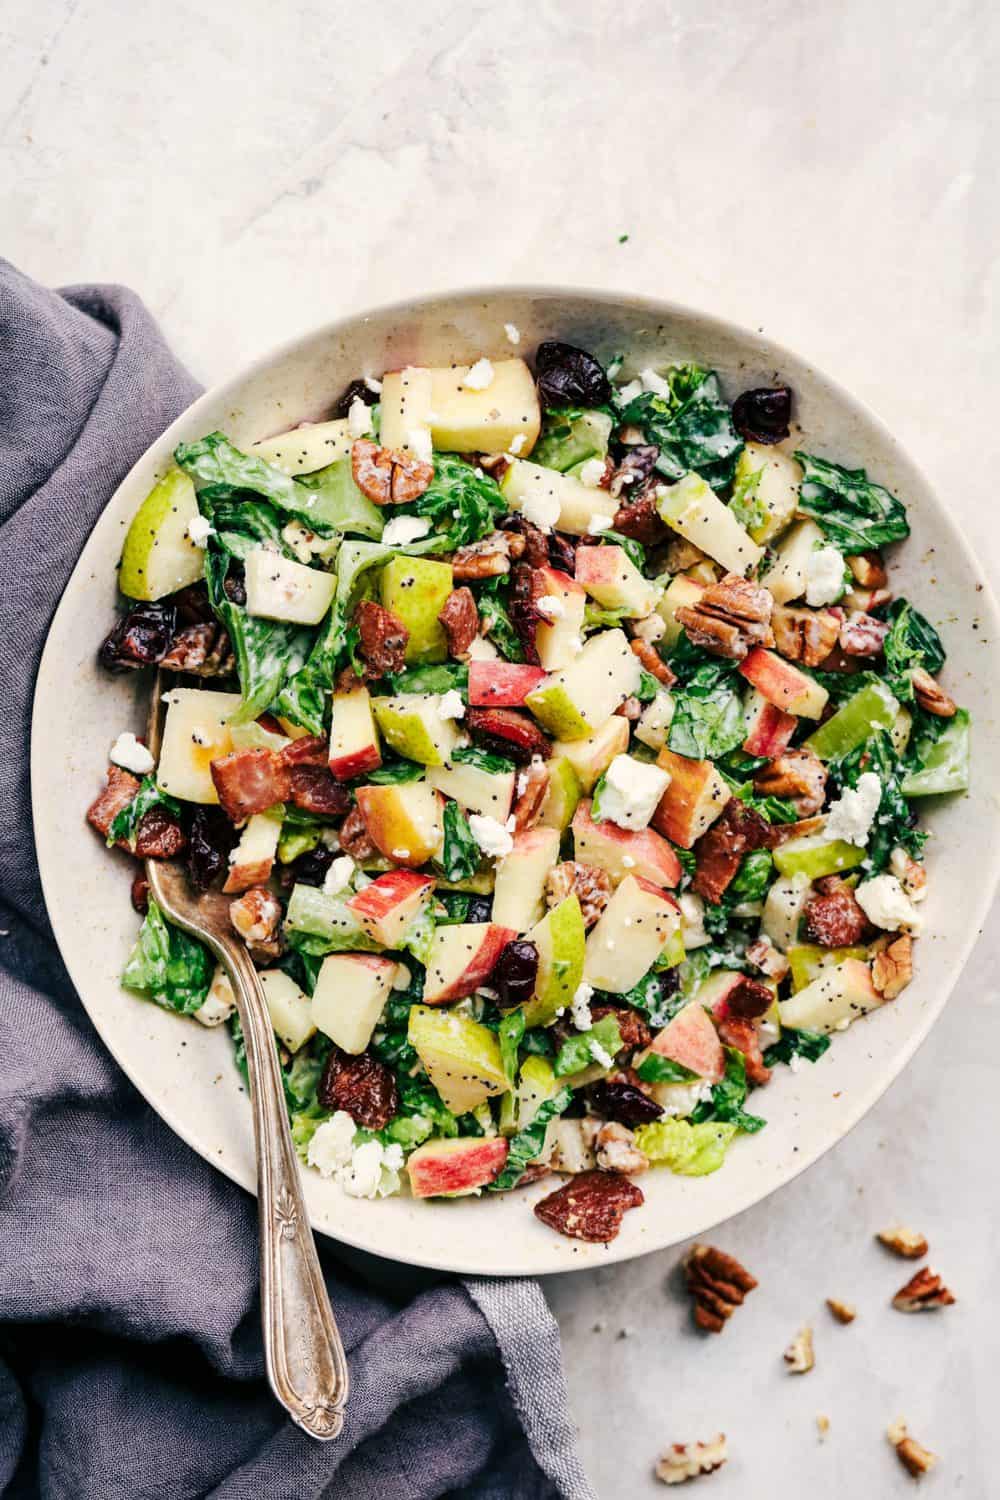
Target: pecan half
<point>487,558</point>
<point>528,541</point>
<point>835,920</point>
<point>767,958</point>
<point>908,1243</point>
<point>592,888</point>
<point>653,662</point>
<point>617,1151</point>
<point>844,1312</point>
<point>718,1284</point>
<point>862,635</point>
<point>915,1458</point>
<point>931,695</point>
<point>683,1461</point>
<point>735,1031</point>
<point>354,838</point>
<point>201,650</point>
<point>924,1292</point>
<point>800,1356</point>
<point>388,476</point>
<point>361,1086</point>
<point>892,967</point>
<point>460,619</point>
<point>532,786</point>
<point>909,872</point>
<point>798,776</point>
<point>730,617</point>
<point>631,1027</point>
<point>721,848</point>
<point>868,569</point>
<point>256,916</point>
<point>590,1207</point>
<point>805,635</point>
<point>383,639</point>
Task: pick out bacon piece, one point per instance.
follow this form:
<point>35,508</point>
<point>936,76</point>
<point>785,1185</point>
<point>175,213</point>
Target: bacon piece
<point>590,1207</point>
<point>743,1035</point>
<point>460,619</point>
<point>388,476</point>
<point>653,662</point>
<point>314,789</point>
<point>505,731</point>
<point>250,781</point>
<point>308,750</point>
<point>718,852</point>
<point>118,793</point>
<point>862,635</point>
<point>382,646</point>
<point>797,776</point>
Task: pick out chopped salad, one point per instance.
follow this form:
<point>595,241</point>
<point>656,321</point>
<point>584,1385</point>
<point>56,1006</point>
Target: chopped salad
<point>560,741</point>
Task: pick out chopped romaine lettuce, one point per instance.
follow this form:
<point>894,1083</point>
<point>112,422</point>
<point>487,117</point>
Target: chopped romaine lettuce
<point>854,513</point>
<point>526,1145</point>
<point>460,854</point>
<point>690,1150</point>
<point>167,966</point>
<point>692,426</point>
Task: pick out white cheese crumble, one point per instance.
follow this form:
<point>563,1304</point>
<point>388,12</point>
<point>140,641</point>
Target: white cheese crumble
<point>359,418</point>
<point>851,817</point>
<point>597,524</point>
<point>128,753</point>
<point>580,1006</point>
<point>693,920</point>
<point>512,332</point>
<point>628,392</point>
<point>375,386</point>
<point>541,508</point>
<point>220,1002</point>
<point>199,530</point>
<point>480,376</point>
<point>450,705</point>
<point>405,529</point>
<point>551,605</point>
<point>592,472</point>
<point>338,876</point>
<point>654,383</point>
<point>493,838</point>
<point>369,1170</point>
<point>601,1055</point>
<point>824,577</point>
<point>631,791</point>
<point>884,902</point>
<point>517,442</point>
<point>680,1099</point>
<point>650,629</point>
<point>418,441</point>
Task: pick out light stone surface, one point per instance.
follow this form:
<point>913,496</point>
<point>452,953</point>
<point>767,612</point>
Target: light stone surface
<point>827,173</point>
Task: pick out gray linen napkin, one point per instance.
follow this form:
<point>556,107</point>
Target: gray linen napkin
<point>130,1354</point>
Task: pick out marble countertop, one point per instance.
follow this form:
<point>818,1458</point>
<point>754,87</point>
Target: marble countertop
<point>822,172</point>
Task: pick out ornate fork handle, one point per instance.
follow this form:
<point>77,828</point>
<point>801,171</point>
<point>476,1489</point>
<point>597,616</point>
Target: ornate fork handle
<point>306,1364</point>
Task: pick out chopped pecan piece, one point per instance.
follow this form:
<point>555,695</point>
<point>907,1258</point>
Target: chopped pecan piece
<point>767,958</point>
<point>805,635</point>
<point>487,558</point>
<point>892,966</point>
<point>314,789</point>
<point>631,1027</point>
<point>915,1458</point>
<point>909,872</point>
<point>653,662</point>
<point>460,619</point>
<point>383,639</point>
<point>508,732</point>
<point>798,776</point>
<point>256,916</point>
<point>835,920</point>
<point>634,470</point>
<point>528,541</point>
<point>388,476</point>
<point>868,569</point>
<point>782,832</point>
<point>118,793</point>
<point>640,519</point>
<point>591,886</point>
<point>532,786</point>
<point>718,1284</point>
<point>735,1031</point>
<point>862,635</point>
<point>800,1356</point>
<point>924,1292</point>
<point>139,893</point>
<point>730,617</point>
<point>590,1207</point>
<point>617,1151</point>
<point>495,464</point>
<point>361,1086</point>
<point>931,695</point>
<point>720,849</point>
<point>681,555</point>
<point>201,650</point>
<point>683,1461</point>
<point>159,835</point>
<point>908,1243</point>
<point>250,781</point>
<point>844,1312</point>
<point>354,838</point>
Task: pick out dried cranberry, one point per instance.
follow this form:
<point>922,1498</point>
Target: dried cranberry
<point>624,1102</point>
<point>568,376</point>
<point>358,390</point>
<point>763,415</point>
<point>480,909</point>
<point>515,972</point>
<point>140,637</point>
<point>159,835</point>
<point>235,588</point>
<point>360,1085</point>
<point>192,604</point>
<point>309,868</point>
<point>562,553</point>
<point>210,839</point>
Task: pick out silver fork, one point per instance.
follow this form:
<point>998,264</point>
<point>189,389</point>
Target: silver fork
<point>306,1364</point>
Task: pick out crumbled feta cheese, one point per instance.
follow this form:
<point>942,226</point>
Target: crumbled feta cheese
<point>580,1006</point>
<point>654,383</point>
<point>330,838</point>
<point>627,393</point>
<point>375,386</point>
<point>338,876</point>
<point>369,1170</point>
<point>450,705</point>
<point>824,577</point>
<point>551,605</point>
<point>680,1099</point>
<point>359,418</point>
<point>132,756</point>
<point>693,920</point>
<point>483,650</point>
<point>884,902</point>
<point>220,1002</point>
<point>479,377</point>
<point>332,1144</point>
<point>418,441</point>
<point>541,508</point>
<point>628,862</point>
<point>597,524</point>
<point>361,1179</point>
<point>592,472</point>
<point>601,1055</point>
<point>402,530</point>
<point>517,442</point>
<point>513,333</point>
<point>650,629</point>
<point>199,530</point>
<point>850,818</point>
<point>492,837</point>
<point>401,977</point>
<point>630,792</point>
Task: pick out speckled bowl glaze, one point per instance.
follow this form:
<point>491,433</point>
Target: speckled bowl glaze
<point>187,1073</point>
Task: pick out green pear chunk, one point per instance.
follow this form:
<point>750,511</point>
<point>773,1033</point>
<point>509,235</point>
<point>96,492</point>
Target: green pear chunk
<point>560,940</point>
<point>462,1057</point>
<point>415,589</point>
<point>159,557</point>
<point>578,699</point>
<point>413,726</point>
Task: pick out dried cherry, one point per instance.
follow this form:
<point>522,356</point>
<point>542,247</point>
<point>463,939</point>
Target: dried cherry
<point>763,415</point>
<point>568,376</point>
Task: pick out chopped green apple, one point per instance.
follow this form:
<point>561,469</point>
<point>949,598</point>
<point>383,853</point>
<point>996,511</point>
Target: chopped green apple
<point>816,856</point>
<point>289,1007</point>
<point>775,477</point>
<point>836,998</point>
<point>350,995</point>
<point>461,1056</point>
<point>530,485</point>
<point>807,960</point>
<point>415,589</point>
<point>519,892</point>
<point>452,1166</point>
<point>653,728</point>
<point>576,700</point>
<point>630,935</point>
<point>279,589</point>
<point>405,407</point>
<point>946,764</point>
<point>468,419</point>
<point>681,592</point>
<point>872,707</point>
<point>611,578</point>
<point>562,795</point>
<point>692,508</point>
<point>489,793</point>
<point>785,579</point>
<point>405,821</point>
<point>559,938</point>
<point>305,449</point>
<point>413,726</point>
<point>195,732</point>
<point>159,556</point>
<point>558,642</point>
<point>591,756</point>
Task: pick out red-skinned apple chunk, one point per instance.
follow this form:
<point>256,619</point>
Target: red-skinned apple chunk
<point>501,684</point>
<point>620,852</point>
<point>783,684</point>
<point>404,822</point>
<point>630,935</point>
<point>388,906</point>
<point>350,993</point>
<point>461,958</point>
<point>694,799</point>
<point>769,729</point>
<point>354,744</point>
<point>691,1040</point>
<point>447,1168</point>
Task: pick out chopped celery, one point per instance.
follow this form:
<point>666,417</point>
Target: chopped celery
<point>945,766</point>
<point>874,707</point>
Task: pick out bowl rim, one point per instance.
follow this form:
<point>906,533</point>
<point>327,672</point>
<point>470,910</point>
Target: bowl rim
<point>663,310</point>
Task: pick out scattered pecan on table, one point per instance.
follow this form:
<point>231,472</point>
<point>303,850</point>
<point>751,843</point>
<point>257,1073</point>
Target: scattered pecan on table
<point>915,1458</point>
<point>924,1292</point>
<point>908,1243</point>
<point>684,1461</point>
<point>718,1284</point>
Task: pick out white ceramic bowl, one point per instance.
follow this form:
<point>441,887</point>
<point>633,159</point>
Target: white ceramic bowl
<point>187,1073</point>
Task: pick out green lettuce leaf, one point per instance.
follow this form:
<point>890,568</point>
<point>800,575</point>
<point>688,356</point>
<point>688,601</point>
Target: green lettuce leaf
<point>460,853</point>
<point>218,466</point>
<point>396,771</point>
<point>461,500</point>
<point>729,1097</point>
<point>708,717</point>
<point>433,679</point>
<point>493,613</point>
<point>167,966</point>
<point>808,1044</point>
<point>692,426</point>
<point>570,436</point>
<point>510,1033</point>
<point>911,642</point>
<point>690,1150</point>
<point>577,1052</point>
<point>124,824</point>
<point>853,513</point>
<point>526,1145</point>
<point>483,760</point>
<point>657,1069</point>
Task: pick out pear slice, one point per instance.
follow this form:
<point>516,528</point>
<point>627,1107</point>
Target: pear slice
<point>159,557</point>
